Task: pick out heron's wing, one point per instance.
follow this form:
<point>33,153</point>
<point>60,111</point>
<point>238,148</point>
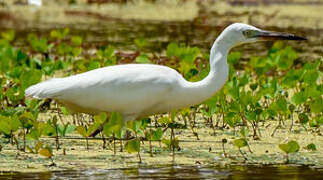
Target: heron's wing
<point>122,88</point>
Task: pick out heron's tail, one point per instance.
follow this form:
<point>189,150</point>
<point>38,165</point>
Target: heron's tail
<point>46,89</point>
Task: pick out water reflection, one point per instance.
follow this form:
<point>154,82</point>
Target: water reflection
<point>179,172</point>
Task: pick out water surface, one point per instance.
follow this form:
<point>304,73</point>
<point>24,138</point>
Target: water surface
<point>179,172</point>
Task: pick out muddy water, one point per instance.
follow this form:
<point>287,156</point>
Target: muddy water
<point>180,172</point>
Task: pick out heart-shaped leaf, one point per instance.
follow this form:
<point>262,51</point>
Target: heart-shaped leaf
<point>239,143</point>
<point>290,147</point>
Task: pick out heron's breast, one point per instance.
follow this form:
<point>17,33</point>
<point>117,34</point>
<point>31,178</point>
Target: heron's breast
<point>78,108</point>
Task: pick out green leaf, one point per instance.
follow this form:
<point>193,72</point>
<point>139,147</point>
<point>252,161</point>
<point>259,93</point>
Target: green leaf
<point>234,90</point>
<point>107,130</point>
<point>4,125</point>
<point>30,77</point>
<point>231,119</point>
<point>47,152</point>
<point>92,65</point>
<point>106,53</point>
<point>70,128</point>
<point>30,149</point>
<point>38,146</point>
<point>114,125</point>
<point>9,35</point>
<point>25,118</point>
<point>239,143</point>
<point>251,116</point>
<point>143,58</point>
<point>313,123</point>
<point>311,76</point>
<point>54,121</point>
<point>290,147</point>
<point>253,86</point>
<point>64,110</point>
<point>34,134</point>
<point>65,129</point>
<point>173,115</point>
<point>15,123</point>
<point>282,104</point>
<point>132,146</point>
<point>116,121</point>
<point>76,40</point>
<point>141,42</point>
<point>243,132</point>
<point>169,143</point>
<point>234,57</point>
<point>48,129</point>
<point>165,120</point>
<point>317,105</point>
<point>299,98</point>
<point>319,120</point>
<point>157,134</point>
<point>303,118</point>
<point>172,50</point>
<point>285,58</point>
<point>93,127</point>
<point>134,125</point>
<point>175,142</point>
<point>82,131</point>
<point>311,147</point>
<point>291,107</point>
<point>292,77</point>
<point>100,118</point>
<point>76,51</point>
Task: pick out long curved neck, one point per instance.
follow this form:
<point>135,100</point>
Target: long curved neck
<point>204,89</point>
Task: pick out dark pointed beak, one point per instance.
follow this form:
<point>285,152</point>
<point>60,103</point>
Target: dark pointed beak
<point>269,35</point>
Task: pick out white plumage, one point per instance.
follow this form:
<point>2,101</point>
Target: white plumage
<point>139,90</point>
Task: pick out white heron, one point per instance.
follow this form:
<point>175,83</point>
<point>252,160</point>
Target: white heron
<point>140,90</point>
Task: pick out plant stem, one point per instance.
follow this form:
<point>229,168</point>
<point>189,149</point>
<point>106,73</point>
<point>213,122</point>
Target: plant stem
<point>139,150</point>
<point>17,143</point>
<point>121,146</point>
<point>185,120</point>
<point>243,155</point>
<point>287,159</point>
<point>212,126</point>
<point>173,143</point>
<point>150,146</point>
<point>87,143</point>
<point>291,126</point>
<point>11,137</point>
<point>114,144</point>
<point>24,148</point>
<point>304,127</point>
<point>57,140</point>
<point>272,134</point>
<point>249,148</point>
<point>104,141</point>
<point>225,154</point>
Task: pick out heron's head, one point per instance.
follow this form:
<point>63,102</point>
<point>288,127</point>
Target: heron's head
<point>239,33</point>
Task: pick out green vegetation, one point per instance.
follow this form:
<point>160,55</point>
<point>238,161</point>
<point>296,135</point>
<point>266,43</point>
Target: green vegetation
<point>275,90</point>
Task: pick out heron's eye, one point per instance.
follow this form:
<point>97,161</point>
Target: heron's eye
<point>247,33</point>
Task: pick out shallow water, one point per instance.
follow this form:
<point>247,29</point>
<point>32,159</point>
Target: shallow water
<point>179,172</point>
